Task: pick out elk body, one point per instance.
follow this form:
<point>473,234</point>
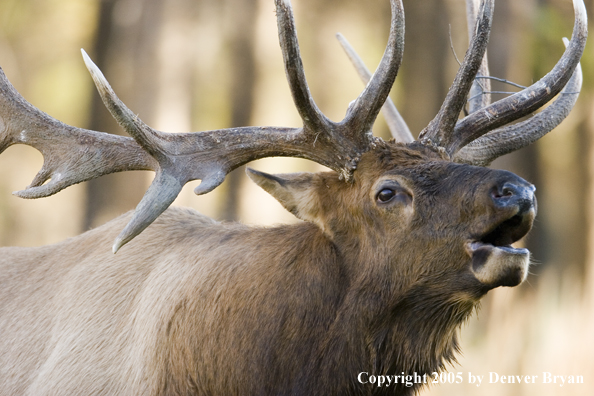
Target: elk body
<point>398,245</point>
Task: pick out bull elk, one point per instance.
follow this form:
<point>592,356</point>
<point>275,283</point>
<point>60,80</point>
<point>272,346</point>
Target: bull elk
<point>399,241</point>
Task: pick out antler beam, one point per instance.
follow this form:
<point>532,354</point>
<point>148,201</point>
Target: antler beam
<point>71,155</point>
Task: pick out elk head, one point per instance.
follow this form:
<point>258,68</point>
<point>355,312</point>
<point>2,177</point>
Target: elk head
<point>431,192</point>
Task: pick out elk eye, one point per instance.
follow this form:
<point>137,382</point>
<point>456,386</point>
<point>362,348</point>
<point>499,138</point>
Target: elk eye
<point>393,193</point>
<point>386,194</point>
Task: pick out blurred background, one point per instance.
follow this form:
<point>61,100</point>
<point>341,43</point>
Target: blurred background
<point>191,65</point>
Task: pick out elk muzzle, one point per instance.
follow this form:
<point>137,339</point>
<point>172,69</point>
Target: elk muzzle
<point>495,262</point>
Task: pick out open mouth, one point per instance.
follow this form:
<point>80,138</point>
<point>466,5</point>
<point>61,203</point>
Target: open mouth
<point>495,262</point>
<point>504,234</point>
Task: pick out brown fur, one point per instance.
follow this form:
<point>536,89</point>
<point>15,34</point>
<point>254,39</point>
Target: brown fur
<point>193,306</point>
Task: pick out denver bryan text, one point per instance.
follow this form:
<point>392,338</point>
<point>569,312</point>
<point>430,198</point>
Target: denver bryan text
<point>545,378</point>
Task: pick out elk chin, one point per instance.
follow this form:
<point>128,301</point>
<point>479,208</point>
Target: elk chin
<point>496,266</point>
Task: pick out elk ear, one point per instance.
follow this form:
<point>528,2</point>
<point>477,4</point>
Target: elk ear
<point>295,191</point>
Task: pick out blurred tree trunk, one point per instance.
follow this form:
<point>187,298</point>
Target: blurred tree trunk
<point>424,67</point>
<point>125,50</point>
<point>240,35</point>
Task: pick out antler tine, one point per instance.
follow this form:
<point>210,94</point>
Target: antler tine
<point>309,112</point>
<point>363,112</point>
<point>144,135</point>
<point>396,124</point>
<point>168,181</point>
<point>498,142</point>
<point>439,131</point>
<point>71,155</point>
<point>530,99</point>
<point>479,96</point>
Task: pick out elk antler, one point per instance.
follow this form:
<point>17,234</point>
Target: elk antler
<point>522,103</point>
<point>504,140</point>
<point>475,139</point>
<point>71,155</point>
<point>181,157</point>
<point>445,131</point>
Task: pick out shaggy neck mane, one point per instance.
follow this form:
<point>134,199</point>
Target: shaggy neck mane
<point>383,330</point>
<point>420,333</point>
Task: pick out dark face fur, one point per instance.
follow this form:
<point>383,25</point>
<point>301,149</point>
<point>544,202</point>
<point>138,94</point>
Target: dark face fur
<point>435,222</point>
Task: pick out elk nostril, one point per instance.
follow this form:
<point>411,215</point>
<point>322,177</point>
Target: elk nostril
<point>505,191</point>
<point>511,194</point>
<point>508,190</point>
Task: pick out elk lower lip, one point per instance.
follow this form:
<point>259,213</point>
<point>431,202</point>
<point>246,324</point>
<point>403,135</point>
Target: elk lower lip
<point>496,266</point>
